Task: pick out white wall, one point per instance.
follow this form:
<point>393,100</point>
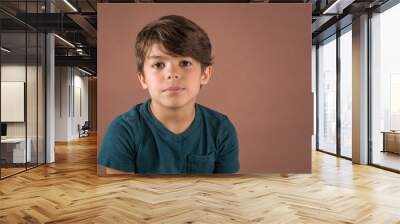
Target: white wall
<point>70,84</point>
<point>79,117</point>
<point>61,103</point>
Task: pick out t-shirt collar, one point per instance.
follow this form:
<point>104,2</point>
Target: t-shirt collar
<point>169,134</point>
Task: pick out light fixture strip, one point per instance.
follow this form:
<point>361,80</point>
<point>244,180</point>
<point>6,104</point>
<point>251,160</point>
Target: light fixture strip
<point>64,40</point>
<point>5,50</point>
<point>70,5</point>
<point>331,7</point>
<point>86,72</point>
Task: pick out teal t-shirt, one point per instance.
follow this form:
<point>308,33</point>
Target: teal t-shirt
<point>136,141</point>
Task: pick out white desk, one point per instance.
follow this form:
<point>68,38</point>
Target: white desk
<point>18,149</point>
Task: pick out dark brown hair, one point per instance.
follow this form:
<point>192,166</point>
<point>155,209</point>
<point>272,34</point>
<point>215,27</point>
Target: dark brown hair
<point>178,35</point>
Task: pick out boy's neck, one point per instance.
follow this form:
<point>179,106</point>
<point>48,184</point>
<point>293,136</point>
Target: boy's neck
<point>177,120</point>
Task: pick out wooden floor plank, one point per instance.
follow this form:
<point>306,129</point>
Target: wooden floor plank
<point>69,191</point>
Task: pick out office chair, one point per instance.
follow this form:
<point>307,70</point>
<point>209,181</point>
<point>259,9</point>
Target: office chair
<point>84,130</point>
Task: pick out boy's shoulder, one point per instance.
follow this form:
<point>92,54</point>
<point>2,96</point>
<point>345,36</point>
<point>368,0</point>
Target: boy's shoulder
<point>131,116</point>
<point>212,115</point>
<point>220,123</point>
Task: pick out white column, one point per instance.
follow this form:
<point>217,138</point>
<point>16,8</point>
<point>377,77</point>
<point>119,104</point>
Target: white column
<point>360,90</point>
<point>50,93</point>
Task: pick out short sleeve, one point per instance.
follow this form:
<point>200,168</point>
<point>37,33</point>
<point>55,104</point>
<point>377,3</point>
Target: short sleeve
<point>227,149</point>
<point>117,150</point>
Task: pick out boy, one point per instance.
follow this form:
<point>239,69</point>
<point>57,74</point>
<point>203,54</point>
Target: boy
<point>170,133</point>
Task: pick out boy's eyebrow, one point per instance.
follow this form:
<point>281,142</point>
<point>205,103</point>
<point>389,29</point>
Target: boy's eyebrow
<point>156,56</point>
<point>161,57</point>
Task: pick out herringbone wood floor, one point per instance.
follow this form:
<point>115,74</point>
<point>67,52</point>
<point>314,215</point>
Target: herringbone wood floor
<point>69,191</point>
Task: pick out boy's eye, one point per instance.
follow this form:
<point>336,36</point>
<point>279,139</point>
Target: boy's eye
<point>158,65</point>
<point>186,63</point>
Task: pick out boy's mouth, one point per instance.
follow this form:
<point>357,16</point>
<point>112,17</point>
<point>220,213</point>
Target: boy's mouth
<point>173,89</point>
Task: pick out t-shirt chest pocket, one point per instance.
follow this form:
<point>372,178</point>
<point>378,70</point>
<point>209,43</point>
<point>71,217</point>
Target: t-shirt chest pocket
<point>201,163</point>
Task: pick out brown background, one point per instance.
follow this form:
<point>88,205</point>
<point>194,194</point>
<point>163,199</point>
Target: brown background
<point>261,77</point>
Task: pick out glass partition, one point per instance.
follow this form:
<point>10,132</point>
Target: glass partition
<point>22,77</point>
<point>327,95</point>
<point>346,93</point>
<point>13,95</point>
<point>31,100</point>
<point>385,88</point>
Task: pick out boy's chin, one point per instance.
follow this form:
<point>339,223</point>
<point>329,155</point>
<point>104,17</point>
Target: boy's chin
<point>175,103</point>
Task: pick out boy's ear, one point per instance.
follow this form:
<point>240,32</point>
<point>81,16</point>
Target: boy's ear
<point>142,80</point>
<point>205,76</point>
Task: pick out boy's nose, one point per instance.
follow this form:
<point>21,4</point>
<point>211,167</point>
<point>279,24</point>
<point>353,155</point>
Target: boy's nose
<point>173,72</point>
<point>173,76</point>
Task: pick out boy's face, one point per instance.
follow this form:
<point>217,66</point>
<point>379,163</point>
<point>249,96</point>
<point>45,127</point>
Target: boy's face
<point>172,82</point>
